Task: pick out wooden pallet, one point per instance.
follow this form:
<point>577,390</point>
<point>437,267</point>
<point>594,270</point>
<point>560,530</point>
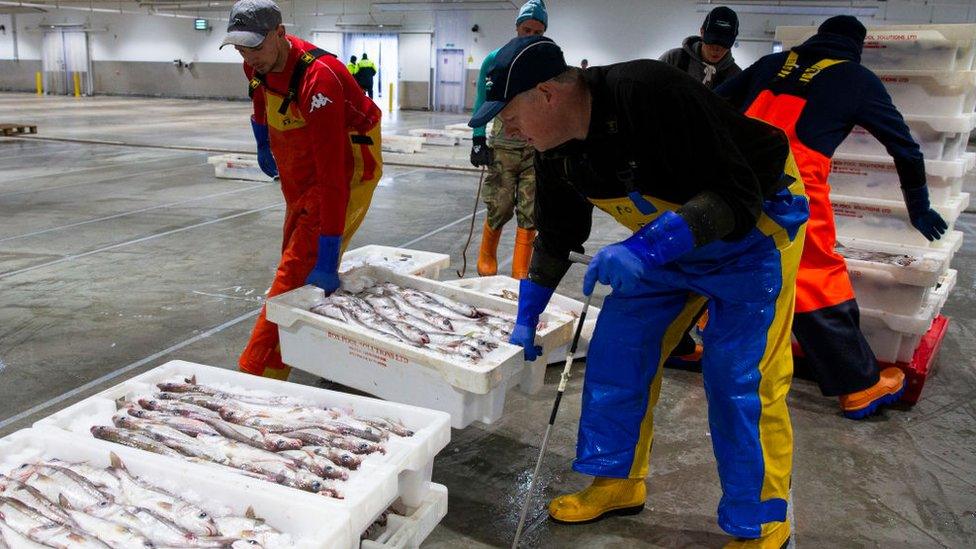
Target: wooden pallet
<point>12,129</point>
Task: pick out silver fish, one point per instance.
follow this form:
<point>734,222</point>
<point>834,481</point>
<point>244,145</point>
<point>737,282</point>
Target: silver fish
<point>27,522</point>
<point>115,534</point>
<point>391,425</point>
<point>132,439</point>
<point>318,437</point>
<point>318,464</point>
<point>138,492</point>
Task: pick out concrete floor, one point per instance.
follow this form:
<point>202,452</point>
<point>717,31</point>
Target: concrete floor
<point>117,258</point>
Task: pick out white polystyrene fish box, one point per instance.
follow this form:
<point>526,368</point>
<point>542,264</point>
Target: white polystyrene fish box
<point>310,522</point>
<point>446,138</point>
<point>390,369</point>
<point>933,93</point>
<point>410,531</point>
<point>905,47</point>
<point>894,338</point>
<point>406,144</point>
<point>894,278</point>
<point>404,472</point>
<point>400,260</point>
<point>938,137</point>
<point>876,177</point>
<point>887,220</point>
<point>238,166</point>
<point>507,287</point>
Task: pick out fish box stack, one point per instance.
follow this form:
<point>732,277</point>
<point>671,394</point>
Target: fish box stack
<point>399,260</point>
<point>413,340</point>
<point>361,461</point>
<point>901,280</point>
<point>443,138</point>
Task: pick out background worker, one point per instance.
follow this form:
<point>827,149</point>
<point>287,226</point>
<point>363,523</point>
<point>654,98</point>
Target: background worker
<point>723,226</point>
<point>816,93</point>
<point>325,136</point>
<point>510,184</point>
<point>352,66</point>
<point>365,71</point>
<point>708,57</point>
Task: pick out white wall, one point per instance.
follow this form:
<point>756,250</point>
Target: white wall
<point>603,31</point>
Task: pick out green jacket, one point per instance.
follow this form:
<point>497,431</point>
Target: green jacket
<point>498,138</point>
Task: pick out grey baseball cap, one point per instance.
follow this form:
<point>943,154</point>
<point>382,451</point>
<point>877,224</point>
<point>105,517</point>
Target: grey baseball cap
<point>250,22</point>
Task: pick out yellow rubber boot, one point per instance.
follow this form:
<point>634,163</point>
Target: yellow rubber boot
<point>775,538</point>
<point>603,498</point>
<point>487,260</point>
<point>523,253</point>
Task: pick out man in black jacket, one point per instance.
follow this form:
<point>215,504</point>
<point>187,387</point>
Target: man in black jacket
<point>708,58</point>
<point>721,228</point>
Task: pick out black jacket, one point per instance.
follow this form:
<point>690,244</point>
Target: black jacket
<point>839,98</point>
<point>686,145</point>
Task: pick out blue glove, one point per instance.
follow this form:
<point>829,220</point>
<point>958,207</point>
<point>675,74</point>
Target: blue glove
<point>624,264</point>
<point>533,299</point>
<point>924,218</point>
<point>325,275</point>
<point>265,159</point>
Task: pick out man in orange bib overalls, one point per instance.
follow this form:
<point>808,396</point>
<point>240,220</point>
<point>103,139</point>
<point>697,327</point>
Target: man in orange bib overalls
<point>316,130</point>
<point>816,93</point>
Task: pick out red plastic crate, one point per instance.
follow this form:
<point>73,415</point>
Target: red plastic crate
<point>924,360</point>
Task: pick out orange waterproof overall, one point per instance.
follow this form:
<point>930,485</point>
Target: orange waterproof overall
<point>826,322</point>
<point>325,138</point>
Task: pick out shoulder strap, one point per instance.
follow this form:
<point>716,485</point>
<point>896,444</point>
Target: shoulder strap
<point>301,66</point>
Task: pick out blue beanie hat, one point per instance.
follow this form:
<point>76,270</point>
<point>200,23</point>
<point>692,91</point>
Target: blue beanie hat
<point>533,9</point>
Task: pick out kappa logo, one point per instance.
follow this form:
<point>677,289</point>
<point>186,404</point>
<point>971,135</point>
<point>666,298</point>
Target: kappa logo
<point>319,100</point>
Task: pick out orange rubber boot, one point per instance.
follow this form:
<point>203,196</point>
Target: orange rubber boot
<point>523,253</point>
<point>886,391</point>
<point>777,536</point>
<point>487,260</point>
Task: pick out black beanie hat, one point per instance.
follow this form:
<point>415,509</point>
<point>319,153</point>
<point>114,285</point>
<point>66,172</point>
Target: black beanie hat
<point>844,25</point>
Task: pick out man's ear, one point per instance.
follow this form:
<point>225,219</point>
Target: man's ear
<point>281,31</point>
<point>547,88</point>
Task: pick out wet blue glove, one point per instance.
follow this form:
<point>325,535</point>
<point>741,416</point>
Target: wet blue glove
<point>325,275</point>
<point>533,299</point>
<point>924,218</point>
<point>624,264</point>
<point>265,159</point>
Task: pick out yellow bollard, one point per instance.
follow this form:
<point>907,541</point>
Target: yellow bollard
<point>391,97</point>
<point>38,81</point>
<point>77,78</point>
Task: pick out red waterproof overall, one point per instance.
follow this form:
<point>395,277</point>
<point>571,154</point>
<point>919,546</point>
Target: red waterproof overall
<point>826,322</point>
<point>325,137</point>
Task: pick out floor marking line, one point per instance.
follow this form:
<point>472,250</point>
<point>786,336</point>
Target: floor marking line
<point>107,180</point>
<point>124,214</point>
<point>136,241</point>
<point>115,373</point>
<point>142,362</point>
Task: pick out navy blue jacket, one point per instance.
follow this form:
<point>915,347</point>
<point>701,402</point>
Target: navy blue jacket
<point>839,98</point>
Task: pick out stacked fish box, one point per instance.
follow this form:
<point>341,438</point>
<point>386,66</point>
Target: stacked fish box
<point>400,260</point>
<point>901,280</point>
<point>506,287</point>
<point>377,489</point>
<point>401,338</point>
<point>237,166</point>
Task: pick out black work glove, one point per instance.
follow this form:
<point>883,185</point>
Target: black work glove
<point>924,218</point>
<point>481,153</point>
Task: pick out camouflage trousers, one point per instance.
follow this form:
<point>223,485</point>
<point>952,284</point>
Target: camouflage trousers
<point>510,188</point>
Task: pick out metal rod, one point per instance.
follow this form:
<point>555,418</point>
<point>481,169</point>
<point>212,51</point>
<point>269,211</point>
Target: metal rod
<point>563,379</point>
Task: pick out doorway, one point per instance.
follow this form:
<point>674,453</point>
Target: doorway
<point>65,61</point>
<point>449,93</point>
<point>383,50</point>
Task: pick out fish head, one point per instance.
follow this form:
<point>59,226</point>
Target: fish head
<point>149,403</point>
<point>282,444</point>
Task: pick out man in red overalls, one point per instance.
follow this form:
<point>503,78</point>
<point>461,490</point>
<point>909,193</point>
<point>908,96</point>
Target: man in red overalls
<point>318,131</point>
<point>817,92</point>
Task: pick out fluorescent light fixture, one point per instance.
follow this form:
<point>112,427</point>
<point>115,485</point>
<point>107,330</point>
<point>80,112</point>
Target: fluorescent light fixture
<point>803,8</point>
<point>456,5</point>
<point>201,24</point>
